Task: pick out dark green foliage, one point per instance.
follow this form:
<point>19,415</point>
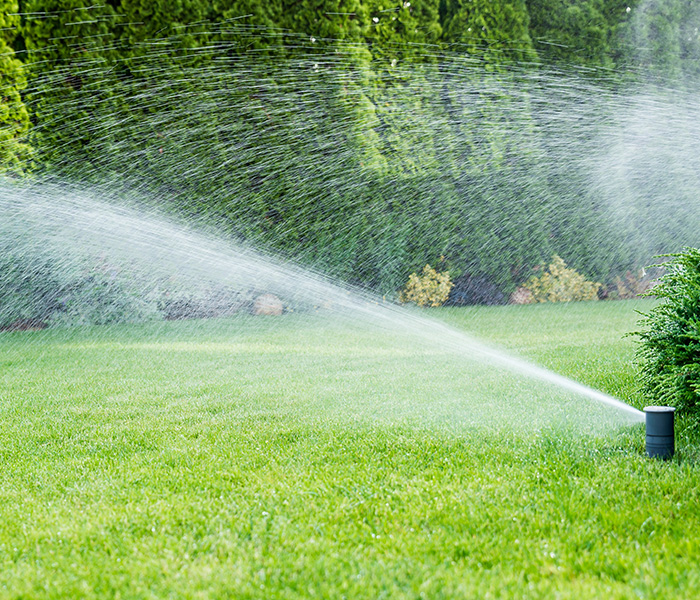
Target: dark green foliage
<point>496,31</point>
<point>469,290</point>
<point>399,30</point>
<point>656,35</point>
<point>142,20</point>
<point>15,153</point>
<point>583,32</point>
<point>573,32</point>
<point>662,37</point>
<point>337,133</point>
<point>670,344</point>
<point>42,289</point>
<point>324,20</point>
<point>69,47</point>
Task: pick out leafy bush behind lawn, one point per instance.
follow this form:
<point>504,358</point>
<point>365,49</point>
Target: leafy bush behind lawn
<point>670,343</point>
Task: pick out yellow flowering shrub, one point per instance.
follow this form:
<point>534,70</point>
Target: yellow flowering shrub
<point>561,284</point>
<point>428,289</point>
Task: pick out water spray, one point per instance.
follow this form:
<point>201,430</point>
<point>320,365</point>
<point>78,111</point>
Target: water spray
<point>660,436</point>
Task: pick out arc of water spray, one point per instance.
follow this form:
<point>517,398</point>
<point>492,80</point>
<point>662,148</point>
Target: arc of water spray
<point>134,234</point>
<point>460,341</point>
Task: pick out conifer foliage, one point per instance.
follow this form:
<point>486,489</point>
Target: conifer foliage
<point>496,30</point>
<point>15,152</point>
<point>362,137</point>
<point>669,352</point>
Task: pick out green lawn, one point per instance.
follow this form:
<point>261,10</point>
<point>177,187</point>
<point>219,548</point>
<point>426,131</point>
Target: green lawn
<point>303,456</point>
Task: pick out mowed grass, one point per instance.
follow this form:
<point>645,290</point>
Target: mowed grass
<point>249,458</point>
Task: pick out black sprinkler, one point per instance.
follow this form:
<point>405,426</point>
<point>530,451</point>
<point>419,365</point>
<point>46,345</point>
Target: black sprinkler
<point>660,437</point>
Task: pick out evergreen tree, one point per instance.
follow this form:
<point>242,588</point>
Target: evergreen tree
<point>618,14</point>
<point>324,20</point>
<point>69,46</point>
<point>68,36</point>
<point>14,118</point>
<point>654,36</point>
<point>491,117</point>
<point>399,30</point>
<point>336,131</point>
<point>495,30</point>
<point>690,41</point>
<point>663,38</point>
<point>399,36</point>
<point>571,31</point>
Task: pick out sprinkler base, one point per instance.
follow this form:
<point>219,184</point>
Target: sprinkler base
<point>660,440</point>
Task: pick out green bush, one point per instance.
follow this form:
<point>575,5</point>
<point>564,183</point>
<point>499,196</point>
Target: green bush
<point>15,153</point>
<point>43,290</point>
<point>669,354</point>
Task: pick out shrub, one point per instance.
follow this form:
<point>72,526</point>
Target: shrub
<point>521,296</point>
<point>41,289</point>
<point>100,294</point>
<point>29,289</point>
<point>207,302</point>
<point>561,284</point>
<point>669,354</point>
<point>470,290</point>
<point>632,285</point>
<point>15,153</point>
<point>429,289</point>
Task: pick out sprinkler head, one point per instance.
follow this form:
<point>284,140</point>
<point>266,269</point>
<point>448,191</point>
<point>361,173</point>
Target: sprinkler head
<point>660,437</point>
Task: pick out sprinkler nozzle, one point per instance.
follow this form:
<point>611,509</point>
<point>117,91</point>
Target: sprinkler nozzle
<point>660,436</point>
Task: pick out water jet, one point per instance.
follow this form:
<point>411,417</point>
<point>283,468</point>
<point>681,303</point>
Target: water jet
<point>660,442</point>
<point>78,239</point>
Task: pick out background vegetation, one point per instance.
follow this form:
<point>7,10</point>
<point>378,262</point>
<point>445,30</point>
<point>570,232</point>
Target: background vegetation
<point>365,138</point>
